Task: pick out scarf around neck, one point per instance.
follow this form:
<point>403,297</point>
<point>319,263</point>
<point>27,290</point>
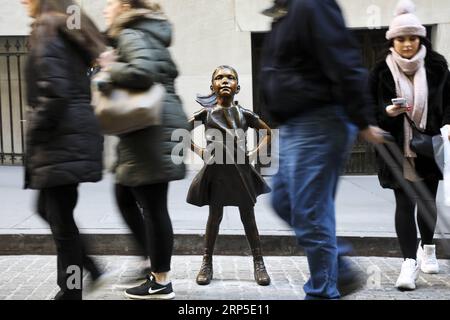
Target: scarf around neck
<point>415,91</point>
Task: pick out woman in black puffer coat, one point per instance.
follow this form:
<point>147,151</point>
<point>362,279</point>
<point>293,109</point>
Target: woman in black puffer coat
<point>64,144</point>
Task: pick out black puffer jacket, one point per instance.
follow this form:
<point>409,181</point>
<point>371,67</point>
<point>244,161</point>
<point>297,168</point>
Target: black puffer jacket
<point>145,157</point>
<point>382,87</point>
<point>63,141</point>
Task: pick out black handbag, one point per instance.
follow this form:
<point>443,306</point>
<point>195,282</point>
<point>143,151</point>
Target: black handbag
<point>421,142</point>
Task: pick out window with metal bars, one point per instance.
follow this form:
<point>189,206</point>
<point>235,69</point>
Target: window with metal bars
<point>13,51</point>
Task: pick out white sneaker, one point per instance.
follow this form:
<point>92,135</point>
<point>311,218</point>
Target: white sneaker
<point>427,261</point>
<point>408,275</point>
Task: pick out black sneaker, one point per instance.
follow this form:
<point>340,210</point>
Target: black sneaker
<point>351,279</point>
<point>151,290</point>
<point>143,273</point>
<point>277,10</point>
<point>133,281</point>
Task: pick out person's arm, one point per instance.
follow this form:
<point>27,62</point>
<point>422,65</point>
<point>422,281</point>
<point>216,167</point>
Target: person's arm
<point>382,118</point>
<point>53,87</point>
<point>446,101</point>
<point>340,58</point>
<point>137,68</point>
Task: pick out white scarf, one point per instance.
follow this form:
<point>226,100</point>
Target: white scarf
<point>415,92</point>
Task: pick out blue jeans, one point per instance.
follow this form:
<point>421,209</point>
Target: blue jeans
<point>313,151</point>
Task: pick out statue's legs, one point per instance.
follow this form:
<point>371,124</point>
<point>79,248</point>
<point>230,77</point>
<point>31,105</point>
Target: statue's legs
<point>212,230</point>
<point>251,231</point>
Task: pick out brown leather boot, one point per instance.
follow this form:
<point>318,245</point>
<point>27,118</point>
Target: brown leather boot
<point>206,271</point>
<point>261,276</point>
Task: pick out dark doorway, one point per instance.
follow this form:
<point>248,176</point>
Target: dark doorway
<point>13,52</point>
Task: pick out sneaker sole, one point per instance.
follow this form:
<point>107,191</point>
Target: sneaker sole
<point>430,271</point>
<point>405,287</point>
<point>123,286</point>
<point>200,283</point>
<point>151,297</point>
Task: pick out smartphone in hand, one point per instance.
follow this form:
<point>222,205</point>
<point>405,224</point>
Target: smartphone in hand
<point>401,102</point>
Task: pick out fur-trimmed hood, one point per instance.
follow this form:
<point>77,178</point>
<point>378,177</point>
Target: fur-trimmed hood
<point>132,17</point>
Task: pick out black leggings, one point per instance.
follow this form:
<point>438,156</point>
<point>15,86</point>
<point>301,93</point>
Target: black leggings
<point>56,206</point>
<point>144,209</point>
<point>405,222</point>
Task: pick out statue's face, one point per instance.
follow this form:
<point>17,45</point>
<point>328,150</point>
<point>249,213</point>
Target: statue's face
<point>225,83</point>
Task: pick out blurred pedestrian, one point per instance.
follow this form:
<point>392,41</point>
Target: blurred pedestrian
<point>141,35</point>
<point>412,70</point>
<point>315,85</point>
<point>63,142</point>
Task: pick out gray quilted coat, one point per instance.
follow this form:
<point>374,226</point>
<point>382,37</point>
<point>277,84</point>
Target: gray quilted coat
<point>141,39</point>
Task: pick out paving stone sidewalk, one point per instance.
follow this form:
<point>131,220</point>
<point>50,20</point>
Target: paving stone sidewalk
<point>34,278</point>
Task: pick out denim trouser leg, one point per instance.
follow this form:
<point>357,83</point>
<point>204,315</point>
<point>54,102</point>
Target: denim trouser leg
<point>313,150</point>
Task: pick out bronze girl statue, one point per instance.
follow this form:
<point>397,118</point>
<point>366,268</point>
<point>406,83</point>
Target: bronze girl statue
<point>227,178</point>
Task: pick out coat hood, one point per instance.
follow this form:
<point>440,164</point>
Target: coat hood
<point>146,20</point>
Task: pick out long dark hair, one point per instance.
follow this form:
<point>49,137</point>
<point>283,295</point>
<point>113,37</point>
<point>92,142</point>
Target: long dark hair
<point>432,56</point>
<point>51,18</point>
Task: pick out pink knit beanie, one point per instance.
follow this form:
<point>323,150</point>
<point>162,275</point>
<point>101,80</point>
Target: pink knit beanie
<point>405,23</point>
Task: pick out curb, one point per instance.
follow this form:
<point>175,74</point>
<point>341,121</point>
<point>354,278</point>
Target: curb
<point>192,244</point>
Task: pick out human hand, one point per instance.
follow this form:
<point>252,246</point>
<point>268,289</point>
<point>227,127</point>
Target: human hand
<point>448,126</point>
<point>396,109</point>
<point>373,135</point>
<point>107,58</point>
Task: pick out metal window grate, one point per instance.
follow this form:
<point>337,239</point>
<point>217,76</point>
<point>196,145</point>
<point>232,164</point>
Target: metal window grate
<point>13,52</point>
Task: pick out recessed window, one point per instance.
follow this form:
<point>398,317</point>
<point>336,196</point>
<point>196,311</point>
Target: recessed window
<point>13,52</point>
<point>373,43</point>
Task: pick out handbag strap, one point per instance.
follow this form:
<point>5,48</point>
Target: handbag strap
<point>411,123</point>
